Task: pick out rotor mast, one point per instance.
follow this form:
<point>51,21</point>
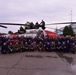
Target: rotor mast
<point>71,17</point>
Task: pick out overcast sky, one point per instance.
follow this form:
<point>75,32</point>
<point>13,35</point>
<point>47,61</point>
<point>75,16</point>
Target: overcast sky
<point>21,11</point>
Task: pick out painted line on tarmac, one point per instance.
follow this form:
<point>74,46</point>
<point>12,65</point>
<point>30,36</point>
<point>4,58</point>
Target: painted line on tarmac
<point>64,60</point>
<point>14,65</point>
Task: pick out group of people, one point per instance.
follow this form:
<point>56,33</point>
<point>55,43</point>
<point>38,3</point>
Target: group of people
<point>31,25</point>
<point>39,43</point>
<point>36,25</point>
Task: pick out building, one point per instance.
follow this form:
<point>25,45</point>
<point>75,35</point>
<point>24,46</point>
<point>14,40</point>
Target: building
<point>60,30</point>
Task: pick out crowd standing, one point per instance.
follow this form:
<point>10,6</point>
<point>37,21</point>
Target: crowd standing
<point>39,43</point>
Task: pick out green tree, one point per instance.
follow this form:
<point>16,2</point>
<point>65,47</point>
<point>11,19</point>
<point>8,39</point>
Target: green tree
<point>68,30</point>
<point>65,30</point>
<point>71,32</point>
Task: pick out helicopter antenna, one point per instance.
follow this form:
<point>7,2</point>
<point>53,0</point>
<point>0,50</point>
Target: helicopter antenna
<point>71,17</point>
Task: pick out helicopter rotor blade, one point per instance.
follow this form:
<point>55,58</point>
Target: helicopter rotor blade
<point>17,24</point>
<point>3,26</point>
<point>45,24</point>
<point>62,23</point>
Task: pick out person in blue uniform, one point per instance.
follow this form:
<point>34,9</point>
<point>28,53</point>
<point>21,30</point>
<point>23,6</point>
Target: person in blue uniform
<point>59,46</point>
<point>53,46</point>
<point>40,46</point>
<point>26,46</point>
<point>64,49</point>
<point>47,47</point>
<point>4,48</point>
<point>68,46</point>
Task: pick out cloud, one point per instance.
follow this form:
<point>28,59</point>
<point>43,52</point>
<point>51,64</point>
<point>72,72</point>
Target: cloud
<point>21,11</point>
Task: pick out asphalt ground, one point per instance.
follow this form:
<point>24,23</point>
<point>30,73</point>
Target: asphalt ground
<point>38,63</point>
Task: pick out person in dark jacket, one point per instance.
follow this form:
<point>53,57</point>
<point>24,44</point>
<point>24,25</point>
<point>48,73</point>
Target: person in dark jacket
<point>4,49</point>
<point>68,46</point>
<point>11,48</point>
<point>40,46</point>
<point>47,47</point>
<point>64,47</point>
<point>59,46</point>
<point>42,24</point>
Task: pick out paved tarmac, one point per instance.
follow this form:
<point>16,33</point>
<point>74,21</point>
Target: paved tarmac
<point>38,63</point>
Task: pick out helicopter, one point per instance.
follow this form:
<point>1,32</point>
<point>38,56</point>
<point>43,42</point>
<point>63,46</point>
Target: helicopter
<point>4,25</point>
